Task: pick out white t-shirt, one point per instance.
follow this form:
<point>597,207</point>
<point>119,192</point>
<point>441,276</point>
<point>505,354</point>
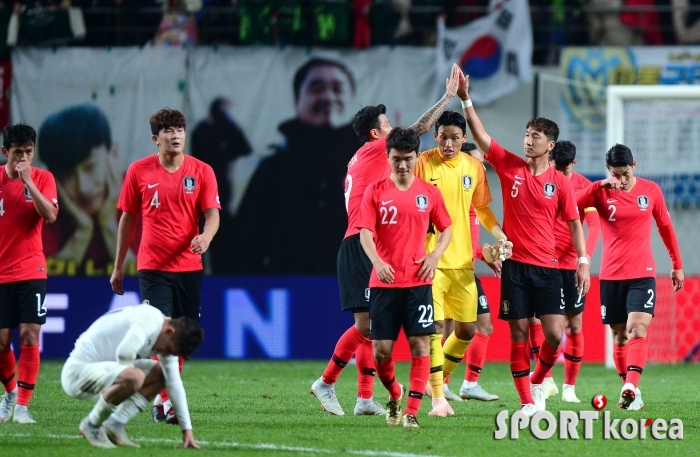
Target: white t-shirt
<point>124,334</point>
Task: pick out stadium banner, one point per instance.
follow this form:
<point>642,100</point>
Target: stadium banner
<point>586,72</point>
<point>494,50</point>
<point>261,317</point>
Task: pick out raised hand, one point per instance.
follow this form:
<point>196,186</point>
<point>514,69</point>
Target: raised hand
<point>612,183</point>
<point>452,83</point>
<point>463,90</point>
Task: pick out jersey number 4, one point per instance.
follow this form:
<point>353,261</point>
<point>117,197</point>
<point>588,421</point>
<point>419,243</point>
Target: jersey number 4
<point>155,201</point>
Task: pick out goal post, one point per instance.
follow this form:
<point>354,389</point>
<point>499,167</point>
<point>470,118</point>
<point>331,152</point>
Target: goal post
<point>661,125</point>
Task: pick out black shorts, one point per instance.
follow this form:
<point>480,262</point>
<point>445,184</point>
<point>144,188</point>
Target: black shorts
<point>393,308</point>
<point>618,298</point>
<point>569,293</point>
<point>23,302</point>
<point>174,294</point>
<point>529,290</point>
<point>354,270</point>
<point>483,305</point>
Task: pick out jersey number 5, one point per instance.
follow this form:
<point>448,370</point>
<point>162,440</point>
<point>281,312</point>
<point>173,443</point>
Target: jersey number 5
<point>155,201</point>
<point>514,189</point>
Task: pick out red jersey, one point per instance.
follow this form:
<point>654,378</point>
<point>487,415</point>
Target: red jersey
<point>171,205</point>
<point>625,219</point>
<point>368,165</point>
<point>566,254</point>
<point>475,227</point>
<point>21,250</point>
<point>531,206</point>
<point>399,220</point>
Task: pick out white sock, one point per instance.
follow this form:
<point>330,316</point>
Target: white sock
<point>364,401</point>
<point>158,400</point>
<point>167,405</point>
<point>100,412</point>
<point>469,384</point>
<point>20,408</point>
<point>129,408</point>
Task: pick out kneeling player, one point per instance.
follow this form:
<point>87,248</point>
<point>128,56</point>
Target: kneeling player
<point>111,364</point>
<point>627,205</point>
<point>395,215</point>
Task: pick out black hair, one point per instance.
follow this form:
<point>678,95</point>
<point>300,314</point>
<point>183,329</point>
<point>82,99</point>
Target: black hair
<point>619,156</point>
<point>563,154</point>
<point>468,147</point>
<point>18,135</point>
<point>67,137</point>
<point>304,70</point>
<point>367,119</point>
<point>544,125</point>
<point>188,335</point>
<point>451,118</point>
<point>402,139</point>
<point>166,118</point>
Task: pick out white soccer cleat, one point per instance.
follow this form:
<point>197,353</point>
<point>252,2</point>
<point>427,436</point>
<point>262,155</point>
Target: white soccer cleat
<point>22,415</point>
<point>638,403</point>
<point>476,393</point>
<point>537,391</point>
<point>449,395</point>
<point>441,408</point>
<point>116,432</point>
<point>325,393</point>
<point>7,405</point>
<point>568,394</point>
<point>371,408</point>
<point>627,396</point>
<point>529,409</point>
<point>549,388</point>
<point>96,436</point>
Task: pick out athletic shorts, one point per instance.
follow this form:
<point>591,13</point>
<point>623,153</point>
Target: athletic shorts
<point>354,270</point>
<point>529,290</point>
<point>454,295</point>
<point>390,309</point>
<point>174,294</point>
<point>87,380</point>
<point>569,293</point>
<point>618,298</point>
<point>483,307</point>
<point>22,302</point>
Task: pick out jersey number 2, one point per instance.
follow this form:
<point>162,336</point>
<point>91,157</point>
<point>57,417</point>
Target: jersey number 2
<point>154,201</point>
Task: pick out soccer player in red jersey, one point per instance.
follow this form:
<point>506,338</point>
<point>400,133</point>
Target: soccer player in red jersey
<point>563,159</point>
<point>171,190</point>
<point>535,196</point>
<point>27,198</point>
<point>395,215</point>
<point>368,165</point>
<point>627,204</point>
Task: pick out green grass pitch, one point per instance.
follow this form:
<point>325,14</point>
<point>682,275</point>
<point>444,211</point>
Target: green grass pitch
<point>264,408</point>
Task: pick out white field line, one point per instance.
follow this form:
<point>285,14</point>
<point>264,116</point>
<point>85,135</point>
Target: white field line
<point>230,444</point>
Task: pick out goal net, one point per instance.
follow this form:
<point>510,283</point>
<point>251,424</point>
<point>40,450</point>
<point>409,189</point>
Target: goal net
<point>661,125</point>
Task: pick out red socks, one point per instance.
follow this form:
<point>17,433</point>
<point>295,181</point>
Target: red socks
<point>7,370</point>
<point>27,372</point>
<point>344,350</point>
<point>620,357</point>
<point>636,359</point>
<point>365,369</point>
<point>387,374</point>
<point>164,393</point>
<point>475,356</point>
<point>573,354</point>
<point>536,336</point>
<point>548,357</point>
<point>520,368</point>
<point>420,372</point>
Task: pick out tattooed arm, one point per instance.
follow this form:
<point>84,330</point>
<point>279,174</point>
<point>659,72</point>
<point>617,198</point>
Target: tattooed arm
<point>428,119</point>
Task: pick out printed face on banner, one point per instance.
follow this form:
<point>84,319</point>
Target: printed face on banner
<point>86,185</point>
<point>324,96</point>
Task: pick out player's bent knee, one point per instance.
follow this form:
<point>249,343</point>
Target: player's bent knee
<point>485,329</point>
<point>132,379</point>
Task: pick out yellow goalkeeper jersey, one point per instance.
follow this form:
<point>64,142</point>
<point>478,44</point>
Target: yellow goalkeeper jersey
<point>462,182</point>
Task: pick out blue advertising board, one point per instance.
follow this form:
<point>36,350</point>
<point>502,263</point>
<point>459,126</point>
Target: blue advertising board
<point>242,317</point>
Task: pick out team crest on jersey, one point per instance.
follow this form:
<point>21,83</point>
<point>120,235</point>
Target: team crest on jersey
<point>189,183</point>
<point>549,189</point>
<point>482,302</point>
<point>505,306</point>
<point>422,202</point>
<point>643,202</point>
<point>27,195</point>
<point>602,311</point>
<point>467,182</point>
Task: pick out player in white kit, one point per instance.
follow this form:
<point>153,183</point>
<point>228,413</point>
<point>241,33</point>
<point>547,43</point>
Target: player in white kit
<point>111,364</point>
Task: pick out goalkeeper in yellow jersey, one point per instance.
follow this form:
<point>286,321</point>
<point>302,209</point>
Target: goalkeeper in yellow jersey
<point>462,182</point>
